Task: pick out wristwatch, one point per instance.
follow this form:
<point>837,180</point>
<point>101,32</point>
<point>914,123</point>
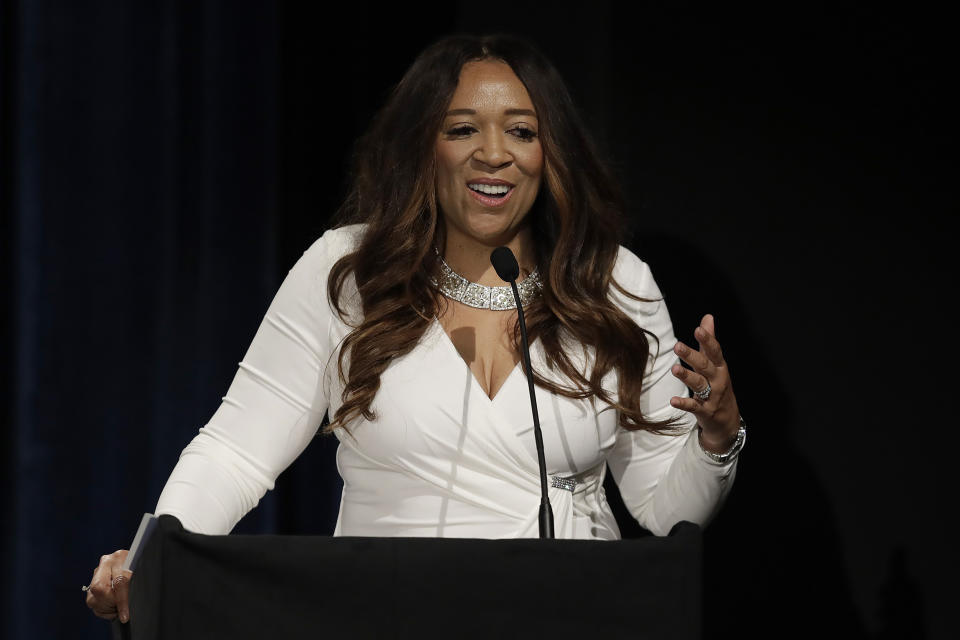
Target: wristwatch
<point>722,458</point>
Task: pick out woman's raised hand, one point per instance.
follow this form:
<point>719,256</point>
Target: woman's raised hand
<point>109,589</point>
<point>713,403</point>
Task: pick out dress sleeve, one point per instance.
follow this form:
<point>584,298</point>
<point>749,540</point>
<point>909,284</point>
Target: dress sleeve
<point>663,479</point>
<point>272,409</point>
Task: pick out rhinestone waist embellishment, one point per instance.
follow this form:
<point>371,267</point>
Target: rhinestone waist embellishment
<point>563,483</point>
<point>479,296</point>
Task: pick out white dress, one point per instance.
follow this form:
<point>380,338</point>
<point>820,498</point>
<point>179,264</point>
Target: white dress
<point>441,459</point>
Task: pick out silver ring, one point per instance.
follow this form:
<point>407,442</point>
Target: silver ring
<point>86,588</point>
<point>704,394</point>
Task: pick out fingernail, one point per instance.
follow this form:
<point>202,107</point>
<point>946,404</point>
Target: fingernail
<point>124,616</point>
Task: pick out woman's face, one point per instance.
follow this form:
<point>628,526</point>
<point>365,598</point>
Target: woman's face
<point>489,159</point>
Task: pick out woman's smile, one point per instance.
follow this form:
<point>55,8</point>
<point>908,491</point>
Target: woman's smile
<point>489,158</point>
<point>490,192</point>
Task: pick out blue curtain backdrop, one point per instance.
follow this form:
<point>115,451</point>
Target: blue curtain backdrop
<point>165,163</point>
<point>141,169</point>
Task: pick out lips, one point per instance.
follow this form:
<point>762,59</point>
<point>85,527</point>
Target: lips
<point>490,193</point>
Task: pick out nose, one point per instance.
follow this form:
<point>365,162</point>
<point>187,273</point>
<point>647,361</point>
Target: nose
<point>493,150</point>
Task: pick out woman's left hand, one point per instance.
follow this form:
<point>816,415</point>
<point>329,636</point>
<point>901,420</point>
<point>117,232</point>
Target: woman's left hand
<point>717,414</point>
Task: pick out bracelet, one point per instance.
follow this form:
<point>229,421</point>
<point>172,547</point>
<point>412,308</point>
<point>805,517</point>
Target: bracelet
<point>723,458</point>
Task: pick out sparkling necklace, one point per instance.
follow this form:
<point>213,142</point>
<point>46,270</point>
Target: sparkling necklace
<point>479,296</point>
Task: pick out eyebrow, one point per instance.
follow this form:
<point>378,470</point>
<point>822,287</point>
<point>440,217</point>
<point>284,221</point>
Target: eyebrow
<point>508,112</point>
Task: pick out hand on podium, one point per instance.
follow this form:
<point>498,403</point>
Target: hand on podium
<point>109,589</point>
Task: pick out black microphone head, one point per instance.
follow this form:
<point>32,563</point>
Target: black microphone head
<point>505,263</point>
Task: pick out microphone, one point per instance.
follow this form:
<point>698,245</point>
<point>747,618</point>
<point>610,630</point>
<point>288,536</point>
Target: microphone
<point>506,266</point>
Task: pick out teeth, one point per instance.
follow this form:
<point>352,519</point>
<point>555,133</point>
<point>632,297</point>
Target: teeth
<point>490,189</point>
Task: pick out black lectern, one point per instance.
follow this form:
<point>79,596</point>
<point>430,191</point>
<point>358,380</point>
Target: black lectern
<point>193,586</point>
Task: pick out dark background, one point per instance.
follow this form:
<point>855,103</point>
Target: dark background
<point>164,164</point>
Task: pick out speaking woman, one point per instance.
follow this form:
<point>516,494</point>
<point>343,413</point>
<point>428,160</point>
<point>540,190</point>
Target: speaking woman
<point>396,325</point>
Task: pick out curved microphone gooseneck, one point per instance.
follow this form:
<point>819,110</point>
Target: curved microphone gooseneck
<point>507,268</point>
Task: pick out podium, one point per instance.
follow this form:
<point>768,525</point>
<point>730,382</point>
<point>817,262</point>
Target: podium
<point>195,586</point>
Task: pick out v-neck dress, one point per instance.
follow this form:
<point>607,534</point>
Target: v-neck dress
<point>441,458</point>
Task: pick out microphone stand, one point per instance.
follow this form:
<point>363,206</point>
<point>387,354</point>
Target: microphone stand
<point>507,268</point>
<point>546,512</point>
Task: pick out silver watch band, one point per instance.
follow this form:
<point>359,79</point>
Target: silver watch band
<point>723,458</point>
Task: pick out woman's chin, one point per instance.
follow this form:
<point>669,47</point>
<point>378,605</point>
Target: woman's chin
<point>494,230</point>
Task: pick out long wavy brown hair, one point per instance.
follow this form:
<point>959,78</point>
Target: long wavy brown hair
<point>577,223</point>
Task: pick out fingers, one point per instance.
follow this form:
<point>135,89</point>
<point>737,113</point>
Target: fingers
<point>709,345</point>
<point>100,595</point>
<point>694,380</point>
<point>692,357</point>
<point>706,363</point>
<point>687,404</point>
<point>709,355</point>
<point>121,592</point>
<point>109,585</point>
<point>708,324</point>
<point>717,414</point>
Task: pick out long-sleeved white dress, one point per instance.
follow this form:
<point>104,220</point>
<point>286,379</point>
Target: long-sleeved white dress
<point>441,459</point>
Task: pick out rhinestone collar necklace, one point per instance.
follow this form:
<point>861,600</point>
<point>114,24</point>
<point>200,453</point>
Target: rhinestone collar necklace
<point>479,296</point>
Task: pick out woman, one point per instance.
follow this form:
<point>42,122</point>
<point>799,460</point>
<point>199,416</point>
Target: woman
<point>388,324</point>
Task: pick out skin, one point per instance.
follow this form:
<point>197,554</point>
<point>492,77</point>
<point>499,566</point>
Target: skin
<point>109,591</point>
<point>490,131</point>
<point>491,142</point>
<point>488,143</point>
<point>718,416</point>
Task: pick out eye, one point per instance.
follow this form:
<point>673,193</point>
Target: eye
<point>523,133</point>
<point>460,131</point>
